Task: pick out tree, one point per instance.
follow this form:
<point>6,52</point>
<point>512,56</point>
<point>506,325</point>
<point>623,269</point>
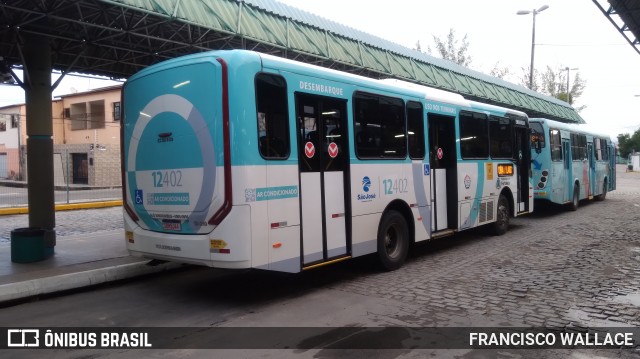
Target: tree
<point>554,83</point>
<point>500,71</point>
<point>418,47</point>
<point>452,49</point>
<point>628,143</point>
<point>524,78</point>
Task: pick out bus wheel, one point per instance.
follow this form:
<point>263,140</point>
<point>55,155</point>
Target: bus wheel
<point>575,202</point>
<point>501,225</point>
<point>393,240</point>
<point>602,196</point>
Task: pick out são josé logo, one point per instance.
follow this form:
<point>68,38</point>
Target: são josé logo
<point>366,186</point>
<point>366,183</point>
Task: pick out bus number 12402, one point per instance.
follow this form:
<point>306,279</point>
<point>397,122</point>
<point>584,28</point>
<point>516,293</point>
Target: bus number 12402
<point>395,186</point>
<point>167,178</point>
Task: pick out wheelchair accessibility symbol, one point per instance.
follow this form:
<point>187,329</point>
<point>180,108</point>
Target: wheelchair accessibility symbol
<point>138,196</point>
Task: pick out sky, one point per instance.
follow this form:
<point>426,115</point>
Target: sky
<point>570,33</point>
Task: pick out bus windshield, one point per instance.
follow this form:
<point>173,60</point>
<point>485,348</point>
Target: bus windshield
<point>537,135</point>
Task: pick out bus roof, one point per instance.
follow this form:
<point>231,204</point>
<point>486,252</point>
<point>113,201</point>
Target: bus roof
<point>389,84</point>
<point>577,128</point>
<point>494,108</point>
<point>430,93</point>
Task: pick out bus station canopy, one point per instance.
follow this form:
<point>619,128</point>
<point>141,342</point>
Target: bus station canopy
<point>625,17</point>
<point>117,38</point>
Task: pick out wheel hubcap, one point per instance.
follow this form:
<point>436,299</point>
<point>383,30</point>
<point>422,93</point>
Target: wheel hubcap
<point>502,218</point>
<point>391,241</point>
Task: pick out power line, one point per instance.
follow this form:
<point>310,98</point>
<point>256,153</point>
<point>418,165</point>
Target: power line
<point>580,45</point>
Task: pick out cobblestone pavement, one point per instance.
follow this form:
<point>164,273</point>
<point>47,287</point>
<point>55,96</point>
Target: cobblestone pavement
<point>69,223</point>
<point>554,268</point>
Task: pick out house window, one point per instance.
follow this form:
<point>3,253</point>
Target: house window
<point>78,116</point>
<point>14,120</point>
<point>116,111</point>
<point>87,115</point>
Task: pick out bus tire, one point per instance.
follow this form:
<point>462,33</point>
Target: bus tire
<point>393,240</point>
<point>603,195</point>
<point>501,225</point>
<point>575,202</point>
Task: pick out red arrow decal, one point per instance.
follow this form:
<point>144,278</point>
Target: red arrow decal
<point>333,150</point>
<point>309,149</point>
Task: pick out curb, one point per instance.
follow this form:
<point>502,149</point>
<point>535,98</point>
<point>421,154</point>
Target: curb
<point>48,285</point>
<point>64,207</point>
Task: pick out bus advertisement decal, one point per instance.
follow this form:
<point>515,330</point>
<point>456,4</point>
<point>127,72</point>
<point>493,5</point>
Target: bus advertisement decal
<point>270,193</point>
<point>489,171</point>
<point>172,199</point>
<point>467,181</point>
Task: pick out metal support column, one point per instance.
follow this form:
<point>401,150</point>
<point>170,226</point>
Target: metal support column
<point>37,85</point>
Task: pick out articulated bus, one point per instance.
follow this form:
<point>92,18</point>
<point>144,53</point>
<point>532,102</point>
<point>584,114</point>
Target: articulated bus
<point>236,159</point>
<point>571,163</point>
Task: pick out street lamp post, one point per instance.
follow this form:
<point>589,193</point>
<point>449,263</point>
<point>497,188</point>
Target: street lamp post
<point>568,91</point>
<point>533,36</point>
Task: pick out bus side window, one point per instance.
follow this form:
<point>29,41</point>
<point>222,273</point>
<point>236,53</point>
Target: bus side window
<point>474,135</point>
<point>556,145</point>
<point>605,150</point>
<point>272,116</point>
<point>379,126</point>
<point>415,130</point>
<point>500,135</point>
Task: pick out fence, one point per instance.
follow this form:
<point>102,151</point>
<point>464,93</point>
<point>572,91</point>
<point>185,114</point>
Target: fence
<point>82,173</point>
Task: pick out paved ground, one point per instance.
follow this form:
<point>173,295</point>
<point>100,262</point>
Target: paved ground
<point>69,223</point>
<point>555,268</point>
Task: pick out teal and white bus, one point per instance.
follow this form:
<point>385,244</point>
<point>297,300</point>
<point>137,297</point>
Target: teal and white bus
<point>236,159</point>
<point>571,163</point>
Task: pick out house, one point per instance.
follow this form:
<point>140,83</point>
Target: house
<point>86,139</point>
<point>12,135</point>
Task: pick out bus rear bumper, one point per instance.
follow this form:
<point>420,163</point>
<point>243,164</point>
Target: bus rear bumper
<point>225,247</point>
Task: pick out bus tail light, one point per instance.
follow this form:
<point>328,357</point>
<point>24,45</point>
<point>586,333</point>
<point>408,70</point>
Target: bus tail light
<point>123,172</point>
<point>505,170</point>
<point>217,217</point>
